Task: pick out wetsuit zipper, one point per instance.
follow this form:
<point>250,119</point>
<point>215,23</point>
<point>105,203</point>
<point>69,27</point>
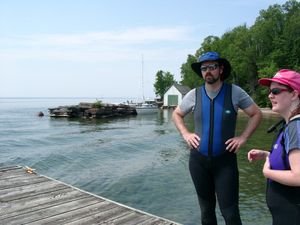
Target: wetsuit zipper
<point>211,128</point>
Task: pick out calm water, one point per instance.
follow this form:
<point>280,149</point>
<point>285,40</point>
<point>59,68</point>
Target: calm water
<point>140,161</point>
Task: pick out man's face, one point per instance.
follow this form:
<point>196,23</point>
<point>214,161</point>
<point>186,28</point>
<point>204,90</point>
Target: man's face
<point>211,71</point>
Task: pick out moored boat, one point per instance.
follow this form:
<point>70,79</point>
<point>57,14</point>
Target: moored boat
<point>146,108</point>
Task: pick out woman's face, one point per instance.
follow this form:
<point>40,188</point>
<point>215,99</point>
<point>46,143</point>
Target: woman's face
<point>280,97</point>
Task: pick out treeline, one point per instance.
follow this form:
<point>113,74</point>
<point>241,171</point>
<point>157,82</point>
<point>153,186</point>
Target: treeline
<point>272,43</point>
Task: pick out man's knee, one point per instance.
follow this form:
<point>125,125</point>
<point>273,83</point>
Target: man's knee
<point>231,215</point>
<point>208,214</point>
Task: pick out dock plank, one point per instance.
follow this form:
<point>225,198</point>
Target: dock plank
<point>30,190</point>
<point>101,216</point>
<point>23,206</point>
<point>66,217</point>
<point>30,198</point>
<point>43,213</point>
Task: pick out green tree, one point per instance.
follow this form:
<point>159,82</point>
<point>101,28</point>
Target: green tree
<point>163,81</point>
<point>239,50</point>
<point>188,76</point>
<point>276,34</point>
<point>291,35</point>
<point>272,43</point>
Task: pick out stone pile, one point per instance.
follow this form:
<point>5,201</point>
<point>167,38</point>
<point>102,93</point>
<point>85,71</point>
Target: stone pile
<point>92,110</point>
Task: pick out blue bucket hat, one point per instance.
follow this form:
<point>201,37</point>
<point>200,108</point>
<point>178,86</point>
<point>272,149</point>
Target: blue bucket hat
<point>212,56</point>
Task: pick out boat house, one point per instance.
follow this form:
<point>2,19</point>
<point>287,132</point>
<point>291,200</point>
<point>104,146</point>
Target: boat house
<point>174,95</point>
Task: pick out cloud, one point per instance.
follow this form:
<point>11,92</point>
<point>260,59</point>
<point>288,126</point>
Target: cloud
<point>96,46</point>
<point>130,36</point>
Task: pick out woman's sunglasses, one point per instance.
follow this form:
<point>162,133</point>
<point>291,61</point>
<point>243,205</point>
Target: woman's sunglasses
<point>277,91</point>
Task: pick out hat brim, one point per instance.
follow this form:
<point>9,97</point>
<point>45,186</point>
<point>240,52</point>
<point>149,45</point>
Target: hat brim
<point>196,67</point>
<point>267,81</point>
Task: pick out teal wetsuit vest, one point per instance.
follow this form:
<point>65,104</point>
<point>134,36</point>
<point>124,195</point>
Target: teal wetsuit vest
<point>214,119</point>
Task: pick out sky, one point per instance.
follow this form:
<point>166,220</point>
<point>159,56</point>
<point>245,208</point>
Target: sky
<point>107,48</point>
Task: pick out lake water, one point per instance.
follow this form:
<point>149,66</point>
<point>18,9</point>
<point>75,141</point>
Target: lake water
<point>140,161</point>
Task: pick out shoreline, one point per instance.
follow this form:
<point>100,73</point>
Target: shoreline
<point>268,111</point>
<point>265,112</point>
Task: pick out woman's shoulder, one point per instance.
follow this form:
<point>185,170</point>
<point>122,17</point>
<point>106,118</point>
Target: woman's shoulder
<point>293,126</point>
<point>295,118</point>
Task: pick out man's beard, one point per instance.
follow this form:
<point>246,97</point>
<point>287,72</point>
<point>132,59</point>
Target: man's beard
<point>210,79</point>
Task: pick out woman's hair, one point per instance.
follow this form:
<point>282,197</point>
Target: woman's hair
<point>296,111</point>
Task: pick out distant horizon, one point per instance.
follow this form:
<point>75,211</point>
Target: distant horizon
<point>63,97</point>
<point>94,99</point>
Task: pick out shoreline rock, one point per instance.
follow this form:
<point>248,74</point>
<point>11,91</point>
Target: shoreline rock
<point>40,114</point>
<point>96,110</point>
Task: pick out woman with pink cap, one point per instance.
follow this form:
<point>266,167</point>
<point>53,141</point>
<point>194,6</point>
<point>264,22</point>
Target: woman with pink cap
<point>282,163</point>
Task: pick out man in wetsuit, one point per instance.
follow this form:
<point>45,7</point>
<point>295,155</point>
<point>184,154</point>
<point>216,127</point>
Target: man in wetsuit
<point>213,161</point>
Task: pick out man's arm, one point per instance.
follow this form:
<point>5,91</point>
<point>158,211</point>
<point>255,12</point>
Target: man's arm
<point>191,138</point>
<point>255,115</point>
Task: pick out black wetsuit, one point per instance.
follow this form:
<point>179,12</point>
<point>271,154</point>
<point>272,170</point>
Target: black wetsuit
<point>216,177</point>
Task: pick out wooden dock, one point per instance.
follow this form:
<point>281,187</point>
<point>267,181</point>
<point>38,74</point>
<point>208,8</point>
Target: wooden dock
<point>30,198</point>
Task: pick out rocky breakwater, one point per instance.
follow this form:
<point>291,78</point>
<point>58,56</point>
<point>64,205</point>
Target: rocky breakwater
<point>93,110</point>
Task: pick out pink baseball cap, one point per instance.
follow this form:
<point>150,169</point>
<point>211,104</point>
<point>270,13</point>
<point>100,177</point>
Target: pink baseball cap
<point>286,77</point>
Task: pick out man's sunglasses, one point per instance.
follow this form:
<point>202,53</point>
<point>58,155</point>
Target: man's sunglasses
<point>210,67</point>
<point>277,91</point>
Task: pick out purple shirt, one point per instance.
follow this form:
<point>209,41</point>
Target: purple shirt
<point>287,140</point>
<point>278,157</point>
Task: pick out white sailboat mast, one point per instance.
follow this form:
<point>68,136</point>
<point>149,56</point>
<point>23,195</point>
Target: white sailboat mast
<point>143,78</point>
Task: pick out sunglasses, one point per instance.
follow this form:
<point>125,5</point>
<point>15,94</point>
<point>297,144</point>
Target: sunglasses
<point>209,67</point>
<point>277,91</point>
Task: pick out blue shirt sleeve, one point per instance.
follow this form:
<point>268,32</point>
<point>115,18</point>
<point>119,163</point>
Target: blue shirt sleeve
<point>292,136</point>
